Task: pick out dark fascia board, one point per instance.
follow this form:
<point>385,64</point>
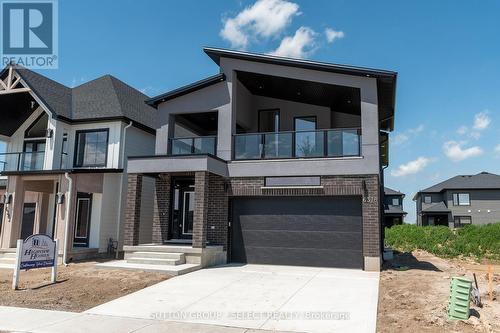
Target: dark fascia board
<point>216,53</point>
<point>154,101</point>
<point>104,119</point>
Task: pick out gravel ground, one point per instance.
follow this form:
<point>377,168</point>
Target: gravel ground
<point>415,300</point>
<point>80,287</point>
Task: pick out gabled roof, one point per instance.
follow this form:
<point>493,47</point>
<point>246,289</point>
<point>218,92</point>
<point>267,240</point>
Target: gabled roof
<point>437,208</point>
<point>390,191</point>
<point>105,98</point>
<point>483,180</point>
<point>154,101</point>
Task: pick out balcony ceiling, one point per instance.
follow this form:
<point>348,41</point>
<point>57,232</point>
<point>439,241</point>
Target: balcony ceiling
<point>16,110</point>
<point>338,98</point>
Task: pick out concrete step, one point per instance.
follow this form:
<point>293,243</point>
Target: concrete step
<point>8,255</point>
<point>155,261</point>
<point>8,261</point>
<point>155,255</point>
<point>170,270</point>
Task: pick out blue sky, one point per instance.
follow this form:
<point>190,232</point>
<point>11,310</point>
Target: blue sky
<point>447,54</point>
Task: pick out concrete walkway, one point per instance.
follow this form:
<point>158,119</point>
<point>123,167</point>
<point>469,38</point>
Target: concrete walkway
<point>14,319</point>
<point>283,298</point>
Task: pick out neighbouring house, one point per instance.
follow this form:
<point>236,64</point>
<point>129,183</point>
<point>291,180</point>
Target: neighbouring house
<point>63,170</point>
<point>460,201</point>
<point>394,213</point>
<point>271,161</point>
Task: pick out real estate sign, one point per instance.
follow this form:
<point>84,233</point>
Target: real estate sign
<point>38,251</point>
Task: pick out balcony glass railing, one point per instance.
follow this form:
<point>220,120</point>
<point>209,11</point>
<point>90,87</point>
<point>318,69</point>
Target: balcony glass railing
<point>193,146</point>
<point>298,144</point>
<point>22,161</point>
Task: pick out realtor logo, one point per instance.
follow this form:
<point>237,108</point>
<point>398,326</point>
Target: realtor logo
<point>29,33</point>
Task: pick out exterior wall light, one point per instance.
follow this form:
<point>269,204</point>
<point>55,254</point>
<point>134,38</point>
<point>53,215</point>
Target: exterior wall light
<point>60,198</point>
<point>6,198</point>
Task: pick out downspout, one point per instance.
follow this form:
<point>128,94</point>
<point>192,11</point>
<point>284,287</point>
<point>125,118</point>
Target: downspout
<point>66,217</point>
<point>122,154</point>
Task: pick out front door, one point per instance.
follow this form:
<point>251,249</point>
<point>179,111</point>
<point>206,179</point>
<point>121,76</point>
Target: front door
<point>28,222</point>
<point>183,208</point>
<point>83,214</point>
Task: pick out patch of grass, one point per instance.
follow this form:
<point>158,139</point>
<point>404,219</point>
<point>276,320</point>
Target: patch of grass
<point>476,241</point>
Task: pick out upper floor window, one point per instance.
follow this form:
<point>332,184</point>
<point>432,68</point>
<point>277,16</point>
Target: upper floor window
<point>91,148</point>
<point>461,199</point>
<point>427,199</point>
<point>395,201</point>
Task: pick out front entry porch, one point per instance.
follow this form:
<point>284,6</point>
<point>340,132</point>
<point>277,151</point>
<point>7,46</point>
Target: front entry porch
<point>172,234</point>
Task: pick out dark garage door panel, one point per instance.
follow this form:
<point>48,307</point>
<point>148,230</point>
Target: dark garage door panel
<point>307,231</point>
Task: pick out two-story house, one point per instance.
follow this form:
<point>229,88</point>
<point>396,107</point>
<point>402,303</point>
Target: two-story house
<point>394,213</point>
<point>271,161</point>
<point>460,200</point>
<point>63,169</point>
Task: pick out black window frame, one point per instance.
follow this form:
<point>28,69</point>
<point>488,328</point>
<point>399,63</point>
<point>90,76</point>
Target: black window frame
<point>457,201</point>
<point>277,110</point>
<point>77,138</point>
<point>460,224</point>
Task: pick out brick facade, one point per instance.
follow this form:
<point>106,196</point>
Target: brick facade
<point>213,192</point>
<point>133,210</point>
<point>161,213</point>
<point>201,181</point>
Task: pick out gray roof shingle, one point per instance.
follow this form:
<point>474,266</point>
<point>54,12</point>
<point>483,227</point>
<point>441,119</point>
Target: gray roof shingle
<point>437,208</point>
<point>390,191</point>
<point>103,98</point>
<point>483,180</point>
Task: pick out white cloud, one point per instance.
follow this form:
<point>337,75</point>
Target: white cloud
<point>482,120</point>
<point>405,136</point>
<point>462,130</point>
<point>455,152</point>
<point>411,167</point>
<point>497,150</point>
<point>332,35</point>
<point>299,45</point>
<point>265,18</point>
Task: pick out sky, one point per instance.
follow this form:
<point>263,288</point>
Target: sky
<point>446,53</point>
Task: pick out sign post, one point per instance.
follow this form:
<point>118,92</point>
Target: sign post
<point>36,251</point>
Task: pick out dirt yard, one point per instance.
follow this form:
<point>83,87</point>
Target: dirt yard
<point>80,286</point>
<point>415,300</point>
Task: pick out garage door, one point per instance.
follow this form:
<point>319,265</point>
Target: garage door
<point>305,231</point>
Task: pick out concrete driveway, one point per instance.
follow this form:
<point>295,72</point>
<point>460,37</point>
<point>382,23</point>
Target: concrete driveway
<point>282,298</point>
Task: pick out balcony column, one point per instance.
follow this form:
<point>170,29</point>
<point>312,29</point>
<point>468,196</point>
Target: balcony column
<point>13,213</point>
<point>370,126</point>
<point>201,180</point>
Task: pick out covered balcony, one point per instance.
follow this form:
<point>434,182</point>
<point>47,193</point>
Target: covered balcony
<point>194,133</point>
<point>284,118</point>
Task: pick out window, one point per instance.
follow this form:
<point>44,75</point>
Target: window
<point>395,201</point>
<point>461,221</point>
<point>91,148</point>
<point>461,199</point>
<point>427,199</point>
<point>269,120</point>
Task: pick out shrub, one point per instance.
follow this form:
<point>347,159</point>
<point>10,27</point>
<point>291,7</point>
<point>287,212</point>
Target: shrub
<point>477,241</point>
